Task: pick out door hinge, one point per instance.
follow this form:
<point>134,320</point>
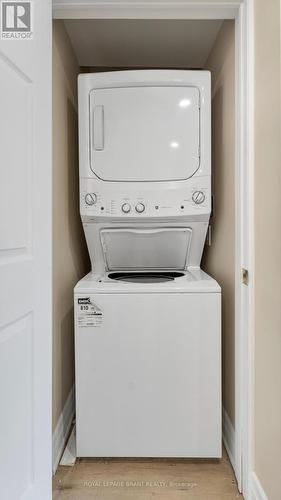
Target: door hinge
<point>244,276</point>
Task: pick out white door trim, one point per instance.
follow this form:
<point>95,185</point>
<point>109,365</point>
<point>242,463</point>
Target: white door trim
<point>257,491</point>
<point>244,295</point>
<point>146,9</point>
<point>242,12</point>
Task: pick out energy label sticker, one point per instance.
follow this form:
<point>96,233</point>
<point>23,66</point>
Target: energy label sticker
<point>89,314</point>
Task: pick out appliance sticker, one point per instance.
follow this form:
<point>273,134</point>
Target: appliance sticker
<point>89,314</point>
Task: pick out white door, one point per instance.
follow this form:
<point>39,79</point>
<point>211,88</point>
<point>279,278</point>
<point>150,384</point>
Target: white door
<point>25,253</point>
<point>149,133</point>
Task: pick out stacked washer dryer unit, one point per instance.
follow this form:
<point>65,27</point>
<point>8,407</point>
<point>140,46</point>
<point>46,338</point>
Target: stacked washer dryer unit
<point>147,318</point>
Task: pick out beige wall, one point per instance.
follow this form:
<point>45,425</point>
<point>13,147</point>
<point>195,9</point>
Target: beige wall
<point>218,259</point>
<point>267,404</point>
<point>70,257</point>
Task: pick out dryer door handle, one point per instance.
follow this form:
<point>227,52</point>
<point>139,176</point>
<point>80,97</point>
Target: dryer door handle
<point>150,231</point>
<point>98,127</point>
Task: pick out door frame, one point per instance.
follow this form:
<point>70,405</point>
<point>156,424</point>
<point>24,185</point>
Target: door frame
<point>241,11</point>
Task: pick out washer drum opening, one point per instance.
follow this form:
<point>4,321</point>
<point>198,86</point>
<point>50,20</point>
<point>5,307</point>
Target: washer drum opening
<point>145,277</point>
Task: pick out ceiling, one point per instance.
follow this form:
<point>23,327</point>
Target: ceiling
<point>142,43</point>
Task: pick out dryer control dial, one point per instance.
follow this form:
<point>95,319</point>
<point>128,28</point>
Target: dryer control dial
<point>126,208</point>
<point>198,197</point>
<point>91,198</point>
<point>140,208</point>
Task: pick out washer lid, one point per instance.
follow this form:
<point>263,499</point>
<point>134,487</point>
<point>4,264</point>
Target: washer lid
<point>145,133</point>
<point>159,248</point>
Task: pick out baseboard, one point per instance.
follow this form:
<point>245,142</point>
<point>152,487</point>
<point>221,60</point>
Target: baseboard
<point>228,436</point>
<point>257,492</point>
<point>42,490</point>
<point>62,429</point>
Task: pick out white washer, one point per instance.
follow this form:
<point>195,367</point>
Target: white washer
<point>148,366</point>
<point>147,349</point>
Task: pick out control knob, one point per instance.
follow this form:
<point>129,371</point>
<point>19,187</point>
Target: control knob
<point>140,208</point>
<point>126,208</point>
<point>91,198</point>
<point>198,197</point>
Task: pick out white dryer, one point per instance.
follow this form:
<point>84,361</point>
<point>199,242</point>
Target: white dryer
<point>147,319</point>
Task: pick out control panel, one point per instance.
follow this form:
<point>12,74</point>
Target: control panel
<point>102,199</point>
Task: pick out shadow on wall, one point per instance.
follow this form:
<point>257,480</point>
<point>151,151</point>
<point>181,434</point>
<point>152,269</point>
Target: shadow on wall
<point>218,259</point>
<point>209,263</point>
<point>79,254</point>
<point>77,242</point>
<point>67,344</point>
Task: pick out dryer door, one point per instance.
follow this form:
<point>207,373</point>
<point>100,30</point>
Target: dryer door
<point>159,248</point>
<point>145,133</point>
